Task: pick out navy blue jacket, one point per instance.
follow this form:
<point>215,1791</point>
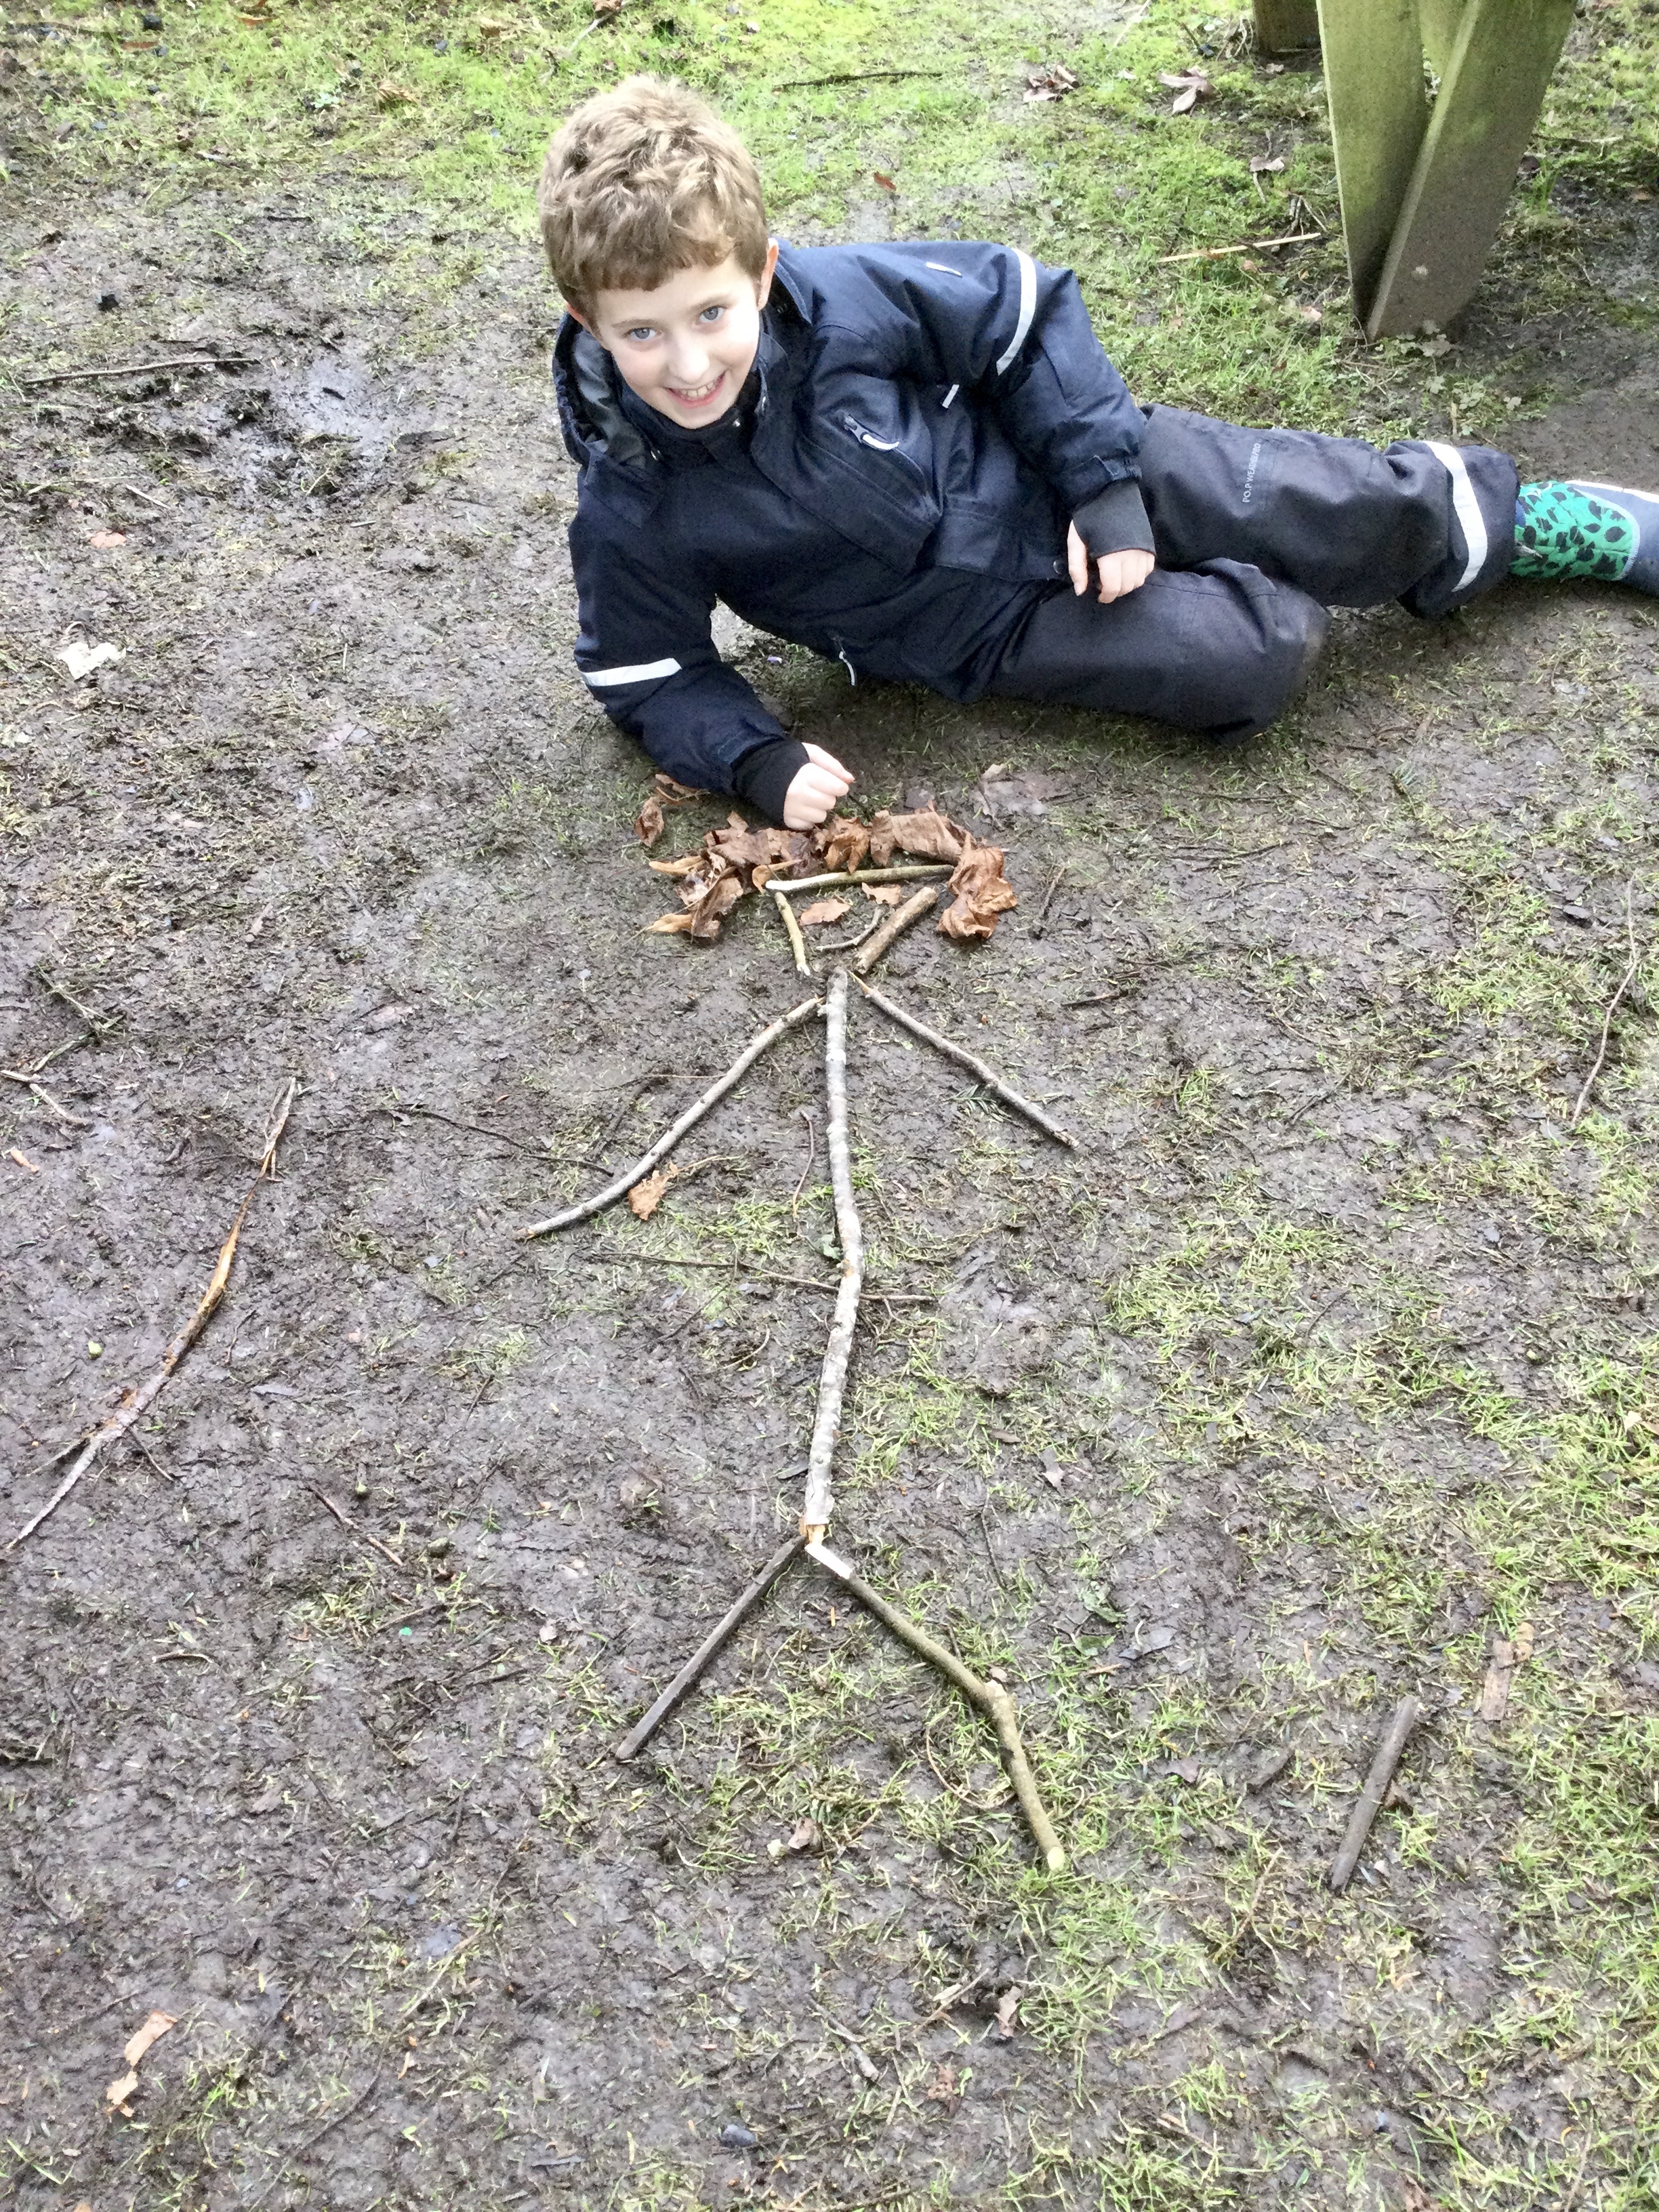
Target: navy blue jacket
<point>923,422</point>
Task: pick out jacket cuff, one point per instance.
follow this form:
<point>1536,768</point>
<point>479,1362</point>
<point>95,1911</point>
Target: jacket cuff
<point>763,776</point>
<point>1114,521</point>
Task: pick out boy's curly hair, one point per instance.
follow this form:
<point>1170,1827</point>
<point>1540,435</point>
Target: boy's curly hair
<point>642,182</point>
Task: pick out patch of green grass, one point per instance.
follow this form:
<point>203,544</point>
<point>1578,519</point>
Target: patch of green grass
<point>1107,179</point>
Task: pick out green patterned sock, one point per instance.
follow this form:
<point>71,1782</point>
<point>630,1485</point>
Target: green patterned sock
<point>1561,530</point>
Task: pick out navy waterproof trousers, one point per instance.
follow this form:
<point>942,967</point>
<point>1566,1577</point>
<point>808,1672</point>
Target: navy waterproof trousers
<point>1256,534</point>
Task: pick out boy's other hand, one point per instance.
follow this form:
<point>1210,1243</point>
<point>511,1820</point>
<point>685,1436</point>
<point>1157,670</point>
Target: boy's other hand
<point>816,791</point>
<point>1119,573</point>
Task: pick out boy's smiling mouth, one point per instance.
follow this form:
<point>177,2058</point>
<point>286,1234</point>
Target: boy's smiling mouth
<point>698,395</point>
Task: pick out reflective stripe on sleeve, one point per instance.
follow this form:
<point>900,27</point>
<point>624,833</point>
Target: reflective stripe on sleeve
<point>1027,309</point>
<point>1466,508</point>
<point>645,671</point>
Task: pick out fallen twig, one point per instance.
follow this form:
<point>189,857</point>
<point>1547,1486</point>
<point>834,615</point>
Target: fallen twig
<point>905,872</point>
<point>587,1207</point>
<point>810,1120</point>
<point>97,1024</point>
<point>990,1697</point>
<point>646,1726</point>
<point>1054,883</point>
<point>75,1120</point>
<point>1249,245</point>
<point>351,1528</point>
<point>797,942</point>
<point>851,77</point>
<point>142,368</point>
<point>851,944</point>
<point>1632,968</point>
<point>816,1503</point>
<point>1406,1714</point>
<point>139,1402</point>
<point>975,1066</point>
<point>923,901</point>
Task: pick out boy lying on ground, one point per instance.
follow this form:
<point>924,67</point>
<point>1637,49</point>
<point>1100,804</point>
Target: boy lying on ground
<point>917,459</point>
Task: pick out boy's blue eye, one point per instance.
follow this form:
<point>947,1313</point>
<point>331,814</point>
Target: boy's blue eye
<point>711,314</point>
<point>644,332</point>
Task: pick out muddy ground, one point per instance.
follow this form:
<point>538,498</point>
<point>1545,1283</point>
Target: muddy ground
<point>1218,1435</point>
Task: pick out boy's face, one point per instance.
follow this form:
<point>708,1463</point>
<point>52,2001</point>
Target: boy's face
<point>687,345</point>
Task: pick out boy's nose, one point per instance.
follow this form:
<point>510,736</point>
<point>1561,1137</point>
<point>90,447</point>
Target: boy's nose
<point>688,363</point>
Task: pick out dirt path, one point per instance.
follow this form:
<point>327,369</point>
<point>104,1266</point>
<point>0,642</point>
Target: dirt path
<point>1325,1362</point>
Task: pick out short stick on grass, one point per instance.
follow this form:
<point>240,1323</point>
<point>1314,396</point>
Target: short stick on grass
<point>1406,1715</point>
<point>646,1726</point>
<point>1632,968</point>
<point>975,1066</point>
<point>587,1207</point>
<point>792,929</point>
<point>134,1407</point>
<point>897,923</point>
<point>990,1697</point>
<point>816,1504</point>
<point>904,871</point>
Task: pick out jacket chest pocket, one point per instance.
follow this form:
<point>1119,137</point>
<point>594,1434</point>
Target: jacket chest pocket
<point>872,442</point>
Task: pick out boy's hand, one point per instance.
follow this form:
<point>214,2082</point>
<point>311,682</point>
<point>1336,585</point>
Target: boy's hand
<point>816,791</point>
<point>1119,573</point>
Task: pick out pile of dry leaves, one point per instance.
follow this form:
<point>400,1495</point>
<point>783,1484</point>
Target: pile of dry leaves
<point>738,860</point>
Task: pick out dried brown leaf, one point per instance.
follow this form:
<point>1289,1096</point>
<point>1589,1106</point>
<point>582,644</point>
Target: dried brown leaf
<point>648,823</point>
<point>721,896</point>
<point>1008,2015</point>
<point>646,1195</point>
<point>682,867</point>
<point>883,894</point>
<point>154,2027</point>
<point>803,1836</point>
<point>392,94</point>
<point>980,892</point>
<point>823,909</point>
<point>927,834</point>
<point>669,925</point>
<point>675,794</point>
<point>842,842</point>
<point>1051,83</point>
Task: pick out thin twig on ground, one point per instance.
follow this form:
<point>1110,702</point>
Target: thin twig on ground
<point>645,1083</point>
<point>850,944</point>
<point>139,1402</point>
<point>975,1066</point>
<point>75,1120</point>
<point>97,1024</point>
<point>1631,970</point>
<point>1054,883</point>
<point>1249,245</point>
<point>810,1120</point>
<point>646,1726</point>
<point>990,1697</point>
<point>351,1528</point>
<point>1406,1715</point>
<point>792,929</point>
<point>587,1207</point>
<point>816,1503</point>
<point>876,947</point>
<point>851,77</point>
<point>140,369</point>
<point>902,871</point>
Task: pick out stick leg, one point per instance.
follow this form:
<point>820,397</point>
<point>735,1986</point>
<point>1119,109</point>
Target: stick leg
<point>990,1697</point>
<point>645,1727</point>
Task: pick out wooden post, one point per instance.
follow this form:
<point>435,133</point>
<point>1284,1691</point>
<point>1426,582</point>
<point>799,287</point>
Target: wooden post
<point>1285,26</point>
<point>1379,112</point>
<point>1490,93</point>
<point>1440,20</point>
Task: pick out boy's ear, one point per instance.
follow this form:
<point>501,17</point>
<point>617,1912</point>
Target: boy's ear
<point>577,316</point>
<point>763,290</point>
